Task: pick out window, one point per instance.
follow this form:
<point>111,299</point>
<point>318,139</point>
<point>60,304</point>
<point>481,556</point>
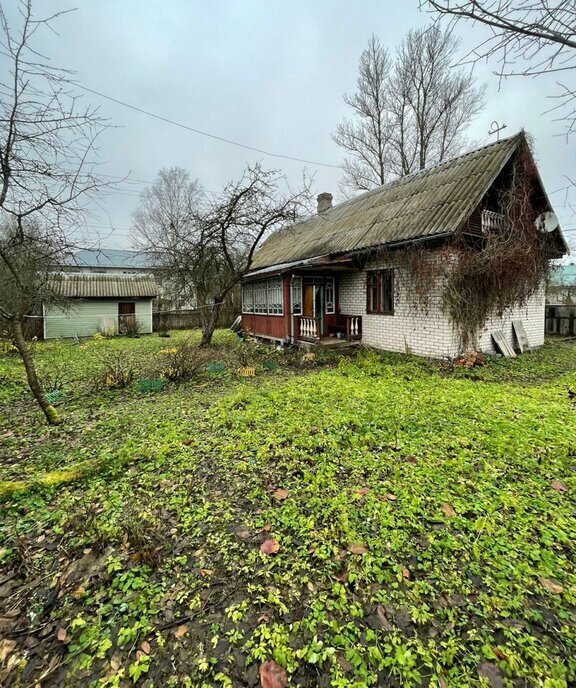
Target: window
<point>330,304</point>
<point>260,298</point>
<point>380,292</point>
<point>297,295</point>
<point>275,296</point>
<point>263,297</point>
<point>247,298</point>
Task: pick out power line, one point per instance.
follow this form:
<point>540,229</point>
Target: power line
<point>203,133</point>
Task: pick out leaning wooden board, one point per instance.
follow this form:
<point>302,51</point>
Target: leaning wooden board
<point>521,335</point>
<point>502,345</point>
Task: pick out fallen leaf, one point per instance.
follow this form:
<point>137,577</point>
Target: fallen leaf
<point>357,548</point>
<point>362,491</point>
<point>180,631</point>
<point>145,647</point>
<point>78,592</point>
<point>310,586</point>
<point>391,497</point>
<point>61,634</point>
<point>382,616</point>
<point>7,647</point>
<point>206,573</point>
<point>345,665</point>
<point>243,533</point>
<point>552,586</point>
<point>280,494</point>
<point>557,485</point>
<point>269,546</point>
<point>491,672</point>
<point>498,652</point>
<point>263,618</point>
<point>406,573</point>
<point>447,510</point>
<point>272,675</point>
<point>266,527</point>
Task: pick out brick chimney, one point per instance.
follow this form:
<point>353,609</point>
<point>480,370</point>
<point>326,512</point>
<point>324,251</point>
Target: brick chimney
<point>324,202</point>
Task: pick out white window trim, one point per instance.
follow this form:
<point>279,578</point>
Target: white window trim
<point>333,309</point>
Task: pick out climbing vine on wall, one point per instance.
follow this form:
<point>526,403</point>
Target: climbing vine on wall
<point>476,277</point>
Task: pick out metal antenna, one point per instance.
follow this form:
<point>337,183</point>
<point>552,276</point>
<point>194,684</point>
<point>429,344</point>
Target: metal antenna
<point>496,128</point>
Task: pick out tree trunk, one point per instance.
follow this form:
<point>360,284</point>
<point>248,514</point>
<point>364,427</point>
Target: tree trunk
<point>49,411</point>
<point>210,326</point>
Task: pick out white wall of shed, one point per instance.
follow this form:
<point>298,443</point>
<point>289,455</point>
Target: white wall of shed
<point>83,317</point>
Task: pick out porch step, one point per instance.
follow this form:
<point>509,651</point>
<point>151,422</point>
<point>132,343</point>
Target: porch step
<point>330,343</point>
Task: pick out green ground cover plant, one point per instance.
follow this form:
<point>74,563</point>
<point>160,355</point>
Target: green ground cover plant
<point>374,519</point>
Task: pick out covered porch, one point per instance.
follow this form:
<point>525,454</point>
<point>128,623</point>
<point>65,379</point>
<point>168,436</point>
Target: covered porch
<point>300,304</point>
<point>315,310</point>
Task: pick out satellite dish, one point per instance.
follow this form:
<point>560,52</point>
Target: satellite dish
<point>546,222</point>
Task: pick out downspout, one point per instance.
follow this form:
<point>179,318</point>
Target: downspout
<point>291,311</point>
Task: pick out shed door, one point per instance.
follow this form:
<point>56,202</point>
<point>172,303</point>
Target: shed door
<point>126,313</point>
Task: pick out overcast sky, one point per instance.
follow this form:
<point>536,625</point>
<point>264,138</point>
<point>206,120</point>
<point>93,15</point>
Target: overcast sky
<point>266,73</point>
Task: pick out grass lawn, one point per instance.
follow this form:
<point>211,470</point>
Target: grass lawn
<point>370,520</point>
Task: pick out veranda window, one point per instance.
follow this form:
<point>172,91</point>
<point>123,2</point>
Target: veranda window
<point>380,292</point>
<point>247,298</point>
<point>297,295</point>
<point>260,297</point>
<point>330,296</point>
<point>263,297</point>
<point>275,296</point>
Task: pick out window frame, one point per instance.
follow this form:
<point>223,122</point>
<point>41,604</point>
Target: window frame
<point>296,295</point>
<point>261,292</point>
<point>330,284</point>
<point>374,281</point>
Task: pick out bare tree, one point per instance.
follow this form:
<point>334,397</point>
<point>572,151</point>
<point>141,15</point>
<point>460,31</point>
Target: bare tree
<point>527,38</point>
<point>431,104</point>
<point>207,245</point>
<point>365,138</point>
<point>47,139</point>
<point>166,226</point>
<point>409,112</point>
<point>236,222</point>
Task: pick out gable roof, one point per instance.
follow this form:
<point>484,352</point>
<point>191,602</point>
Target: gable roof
<point>434,202</point>
<point>108,258</point>
<point>77,285</point>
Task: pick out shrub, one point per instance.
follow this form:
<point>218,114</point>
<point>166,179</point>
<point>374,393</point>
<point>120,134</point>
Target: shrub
<point>133,327</point>
<point>183,362</point>
<point>119,370</point>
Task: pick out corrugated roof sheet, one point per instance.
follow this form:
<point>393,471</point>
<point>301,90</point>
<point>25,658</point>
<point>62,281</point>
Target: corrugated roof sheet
<point>93,286</point>
<point>435,201</point>
<point>108,258</point>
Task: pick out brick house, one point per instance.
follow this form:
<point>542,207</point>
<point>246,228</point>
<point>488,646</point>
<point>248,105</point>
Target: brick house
<point>324,280</point>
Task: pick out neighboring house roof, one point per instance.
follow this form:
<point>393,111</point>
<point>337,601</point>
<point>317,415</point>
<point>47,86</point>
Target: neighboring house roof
<point>434,202</point>
<point>563,276</point>
<point>91,286</point>
<point>108,258</point>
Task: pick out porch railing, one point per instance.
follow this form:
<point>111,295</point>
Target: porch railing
<point>353,327</point>
<point>308,329</point>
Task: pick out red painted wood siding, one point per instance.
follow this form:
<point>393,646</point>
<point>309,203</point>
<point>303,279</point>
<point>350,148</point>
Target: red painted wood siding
<point>276,326</point>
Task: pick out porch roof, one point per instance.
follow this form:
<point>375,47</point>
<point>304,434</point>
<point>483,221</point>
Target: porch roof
<point>432,203</point>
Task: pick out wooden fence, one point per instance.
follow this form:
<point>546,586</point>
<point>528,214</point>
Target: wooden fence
<point>561,320</point>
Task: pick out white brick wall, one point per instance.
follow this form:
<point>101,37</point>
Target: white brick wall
<point>430,333</point>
